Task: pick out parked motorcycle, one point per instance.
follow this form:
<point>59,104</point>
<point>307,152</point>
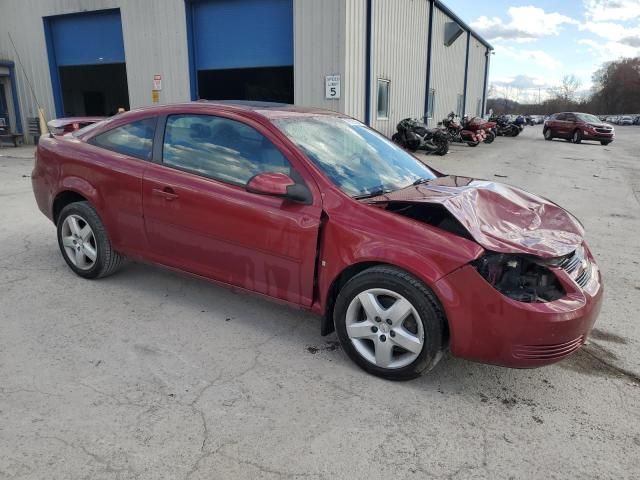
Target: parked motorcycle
<point>414,135</point>
<point>504,127</point>
<point>458,134</point>
<point>476,124</point>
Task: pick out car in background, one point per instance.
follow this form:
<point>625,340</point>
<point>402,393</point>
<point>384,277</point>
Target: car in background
<point>62,126</point>
<point>576,127</point>
<point>625,120</point>
<point>316,210</point>
<point>636,120</point>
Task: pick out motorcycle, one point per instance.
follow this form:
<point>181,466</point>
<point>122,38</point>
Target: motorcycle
<point>458,134</point>
<point>504,128</point>
<point>476,124</point>
<point>414,135</point>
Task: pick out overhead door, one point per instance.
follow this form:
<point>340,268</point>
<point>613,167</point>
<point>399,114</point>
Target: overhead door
<point>87,63</point>
<point>242,49</point>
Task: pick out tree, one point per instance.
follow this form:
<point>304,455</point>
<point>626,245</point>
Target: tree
<point>566,91</point>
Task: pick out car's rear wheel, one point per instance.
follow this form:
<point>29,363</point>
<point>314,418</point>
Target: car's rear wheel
<point>547,134</point>
<point>84,243</point>
<point>390,323</point>
<point>577,136</point>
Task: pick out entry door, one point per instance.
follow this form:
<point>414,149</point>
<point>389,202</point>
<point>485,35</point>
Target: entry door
<point>200,218</point>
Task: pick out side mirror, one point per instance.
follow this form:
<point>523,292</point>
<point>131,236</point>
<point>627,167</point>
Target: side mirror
<point>277,184</point>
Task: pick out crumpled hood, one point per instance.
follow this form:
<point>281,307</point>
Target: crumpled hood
<point>499,217</point>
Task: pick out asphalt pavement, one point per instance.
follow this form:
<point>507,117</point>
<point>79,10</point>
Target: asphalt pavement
<point>149,374</point>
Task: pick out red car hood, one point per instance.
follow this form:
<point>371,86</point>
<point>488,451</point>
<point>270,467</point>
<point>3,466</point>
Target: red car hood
<point>499,217</point>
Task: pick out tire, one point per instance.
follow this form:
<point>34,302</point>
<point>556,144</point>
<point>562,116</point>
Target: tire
<point>366,340</point>
<point>576,137</point>
<point>547,134</point>
<point>490,138</point>
<point>473,144</point>
<point>443,149</point>
<point>73,236</point>
<point>604,143</point>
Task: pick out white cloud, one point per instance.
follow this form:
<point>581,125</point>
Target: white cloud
<point>539,58</point>
<point>607,51</point>
<point>525,24</point>
<point>611,10</point>
<point>611,30</point>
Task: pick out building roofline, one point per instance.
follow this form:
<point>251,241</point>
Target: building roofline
<point>462,23</point>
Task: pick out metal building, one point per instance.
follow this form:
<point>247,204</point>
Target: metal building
<point>377,60</point>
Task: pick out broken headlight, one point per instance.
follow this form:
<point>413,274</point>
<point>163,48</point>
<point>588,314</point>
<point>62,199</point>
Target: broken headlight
<point>522,278</point>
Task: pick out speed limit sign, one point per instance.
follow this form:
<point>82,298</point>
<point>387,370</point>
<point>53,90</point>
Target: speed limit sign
<point>332,87</point>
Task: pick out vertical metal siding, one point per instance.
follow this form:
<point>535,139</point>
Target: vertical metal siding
<point>447,68</point>
<point>154,33</point>
<point>399,51</point>
<point>475,81</point>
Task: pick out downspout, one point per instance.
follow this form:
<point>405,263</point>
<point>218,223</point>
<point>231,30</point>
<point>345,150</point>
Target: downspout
<point>367,86</point>
<point>428,80</point>
<point>486,77</point>
<point>466,72</point>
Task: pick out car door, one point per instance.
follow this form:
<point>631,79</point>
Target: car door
<point>559,125</point>
<point>570,125</point>
<point>199,217</point>
<point>118,157</point>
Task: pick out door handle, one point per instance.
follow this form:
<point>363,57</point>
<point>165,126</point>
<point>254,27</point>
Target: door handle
<point>167,193</point>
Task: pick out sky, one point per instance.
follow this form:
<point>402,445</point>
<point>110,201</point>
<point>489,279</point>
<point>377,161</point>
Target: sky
<point>537,42</point>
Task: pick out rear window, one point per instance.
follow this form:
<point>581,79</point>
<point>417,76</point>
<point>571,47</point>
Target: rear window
<point>134,139</point>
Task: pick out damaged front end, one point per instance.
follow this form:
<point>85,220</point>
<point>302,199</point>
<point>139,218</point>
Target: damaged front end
<point>520,277</point>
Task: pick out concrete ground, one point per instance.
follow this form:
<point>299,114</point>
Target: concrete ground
<point>151,375</point>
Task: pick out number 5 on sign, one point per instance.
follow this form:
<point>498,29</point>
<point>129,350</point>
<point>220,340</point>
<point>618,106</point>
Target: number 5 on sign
<point>332,86</point>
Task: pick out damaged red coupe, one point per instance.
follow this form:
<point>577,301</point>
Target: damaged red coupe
<point>315,209</point>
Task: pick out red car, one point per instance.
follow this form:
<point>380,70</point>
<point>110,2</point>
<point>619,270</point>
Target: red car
<point>576,127</point>
<point>314,209</point>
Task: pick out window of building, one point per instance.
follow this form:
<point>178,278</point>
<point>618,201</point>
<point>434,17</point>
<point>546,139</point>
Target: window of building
<point>134,139</point>
<point>431,102</point>
<point>383,99</point>
<point>219,148</point>
<point>460,106</point>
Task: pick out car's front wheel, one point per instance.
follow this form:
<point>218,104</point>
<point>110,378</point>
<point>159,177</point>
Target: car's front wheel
<point>390,323</point>
<point>84,243</point>
<point>547,134</point>
<point>577,136</point>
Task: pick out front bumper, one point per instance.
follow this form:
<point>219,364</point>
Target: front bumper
<point>488,327</point>
<point>595,135</point>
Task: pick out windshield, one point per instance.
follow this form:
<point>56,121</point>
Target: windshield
<point>585,117</point>
<point>358,160</point>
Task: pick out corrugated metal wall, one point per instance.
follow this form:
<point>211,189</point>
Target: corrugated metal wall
<point>447,68</point>
<point>154,33</point>
<point>399,50</point>
<point>329,39</point>
<point>475,76</point>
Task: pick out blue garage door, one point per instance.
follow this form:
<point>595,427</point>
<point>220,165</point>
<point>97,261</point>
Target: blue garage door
<point>87,63</point>
<point>248,42</point>
<point>87,38</point>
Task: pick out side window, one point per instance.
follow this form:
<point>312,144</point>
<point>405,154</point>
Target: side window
<point>383,99</point>
<point>219,148</point>
<point>560,116</point>
<point>134,139</point>
<point>431,103</point>
<point>570,117</point>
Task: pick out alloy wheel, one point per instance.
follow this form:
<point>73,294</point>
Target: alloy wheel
<point>79,242</point>
<point>385,328</point>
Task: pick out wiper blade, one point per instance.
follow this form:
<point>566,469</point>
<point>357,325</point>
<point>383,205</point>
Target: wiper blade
<point>375,193</point>
<point>420,181</point>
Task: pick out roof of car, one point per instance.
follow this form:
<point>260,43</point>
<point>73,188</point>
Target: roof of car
<point>269,110</point>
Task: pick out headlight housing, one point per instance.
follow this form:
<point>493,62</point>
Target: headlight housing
<point>519,277</point>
